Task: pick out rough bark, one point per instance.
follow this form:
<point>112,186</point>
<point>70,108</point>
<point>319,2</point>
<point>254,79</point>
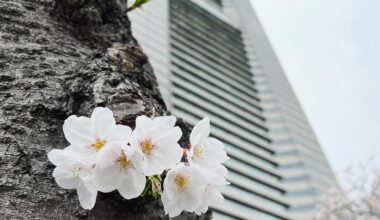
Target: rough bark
<point>57,59</point>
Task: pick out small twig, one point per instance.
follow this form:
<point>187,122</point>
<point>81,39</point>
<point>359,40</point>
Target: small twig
<point>136,4</point>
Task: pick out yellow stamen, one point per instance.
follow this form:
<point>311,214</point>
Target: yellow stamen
<point>99,144</point>
<point>147,147</point>
<point>124,161</point>
<point>181,181</point>
<point>198,153</point>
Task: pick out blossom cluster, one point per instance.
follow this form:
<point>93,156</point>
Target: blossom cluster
<point>104,156</point>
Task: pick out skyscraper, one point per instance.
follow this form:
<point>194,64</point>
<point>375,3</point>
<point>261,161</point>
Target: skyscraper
<point>212,58</point>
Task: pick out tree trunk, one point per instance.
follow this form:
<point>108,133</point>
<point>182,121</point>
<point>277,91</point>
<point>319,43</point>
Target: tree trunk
<point>58,59</point>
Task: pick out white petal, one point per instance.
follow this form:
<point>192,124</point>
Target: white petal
<point>190,202</point>
<point>107,172</point>
<point>215,151</point>
<point>200,132</point>
<point>175,211</point>
<point>214,195</point>
<point>201,209</point>
<point>170,189</point>
<point>166,152</point>
<point>118,133</point>
<point>78,130</point>
<point>80,152</point>
<point>69,155</point>
<point>213,154</point>
<point>170,206</point>
<point>165,122</point>
<point>108,178</point>
<point>133,184</point>
<point>198,181</point>
<point>153,166</point>
<point>143,122</point>
<point>200,160</point>
<point>134,141</point>
<point>137,158</point>
<point>103,121</point>
<point>189,198</point>
<point>86,173</point>
<point>176,169</point>
<point>57,156</point>
<point>163,159</point>
<point>110,154</point>
<point>218,175</point>
<point>211,196</point>
<point>87,196</point>
<point>172,134</point>
<point>65,178</point>
<point>145,128</point>
<point>62,171</point>
<point>71,148</point>
<point>222,170</point>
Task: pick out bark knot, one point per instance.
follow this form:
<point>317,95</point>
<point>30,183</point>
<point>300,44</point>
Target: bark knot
<point>126,57</point>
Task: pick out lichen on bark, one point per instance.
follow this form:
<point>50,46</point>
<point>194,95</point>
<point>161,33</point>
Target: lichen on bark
<point>59,58</point>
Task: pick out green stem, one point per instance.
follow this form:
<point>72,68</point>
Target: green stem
<point>146,189</point>
<point>153,187</point>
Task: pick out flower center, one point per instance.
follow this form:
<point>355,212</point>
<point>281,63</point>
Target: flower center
<point>76,169</point>
<point>147,147</point>
<point>124,161</point>
<point>99,144</point>
<point>198,153</point>
<point>181,181</point>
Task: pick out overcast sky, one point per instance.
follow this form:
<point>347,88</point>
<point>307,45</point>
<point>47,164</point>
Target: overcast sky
<point>330,51</point>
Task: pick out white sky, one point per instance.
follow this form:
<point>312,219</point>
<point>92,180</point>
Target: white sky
<point>330,51</point>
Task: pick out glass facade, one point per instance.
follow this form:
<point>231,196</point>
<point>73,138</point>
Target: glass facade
<point>306,172</point>
<point>211,77</point>
<point>208,64</point>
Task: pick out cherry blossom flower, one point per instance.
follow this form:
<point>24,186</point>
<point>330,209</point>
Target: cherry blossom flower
<point>183,186</point>
<point>212,193</point>
<point>205,151</point>
<point>157,139</point>
<point>120,167</point>
<point>93,134</point>
<point>74,171</point>
<point>103,156</point>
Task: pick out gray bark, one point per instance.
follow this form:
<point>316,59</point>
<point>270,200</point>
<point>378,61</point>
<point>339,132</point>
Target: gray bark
<point>57,59</point>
